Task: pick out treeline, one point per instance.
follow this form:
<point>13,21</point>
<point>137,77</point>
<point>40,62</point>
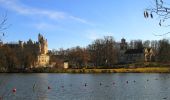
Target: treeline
<point>105,52</point>
<point>101,53</point>
<point>14,57</point>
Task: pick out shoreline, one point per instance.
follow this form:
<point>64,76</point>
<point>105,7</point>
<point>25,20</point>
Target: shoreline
<point>113,70</point>
<point>119,70</point>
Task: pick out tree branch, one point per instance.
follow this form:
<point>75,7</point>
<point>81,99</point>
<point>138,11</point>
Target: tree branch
<point>3,24</point>
<point>162,11</point>
<point>161,34</point>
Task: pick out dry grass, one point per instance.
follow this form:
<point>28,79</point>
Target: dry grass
<point>114,70</point>
<point>145,70</point>
<point>122,70</point>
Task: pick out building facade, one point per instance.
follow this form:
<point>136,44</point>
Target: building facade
<point>43,57</point>
<point>129,55</point>
<point>34,54</point>
<point>134,55</point>
<point>123,48</point>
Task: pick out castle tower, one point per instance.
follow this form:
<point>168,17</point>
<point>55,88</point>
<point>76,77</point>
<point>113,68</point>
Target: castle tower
<point>43,57</point>
<point>21,44</point>
<point>40,37</point>
<point>123,44</point>
<point>123,48</point>
<point>43,46</point>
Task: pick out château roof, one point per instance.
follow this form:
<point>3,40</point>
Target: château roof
<point>134,51</point>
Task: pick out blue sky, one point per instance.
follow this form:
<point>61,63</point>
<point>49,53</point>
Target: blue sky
<point>68,23</point>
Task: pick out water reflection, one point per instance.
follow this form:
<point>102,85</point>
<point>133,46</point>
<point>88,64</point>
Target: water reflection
<point>118,86</point>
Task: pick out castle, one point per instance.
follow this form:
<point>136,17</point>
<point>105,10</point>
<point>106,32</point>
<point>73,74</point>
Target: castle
<point>42,58</point>
<point>35,53</point>
<point>131,55</point>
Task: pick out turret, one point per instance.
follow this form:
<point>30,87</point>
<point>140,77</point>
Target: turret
<point>123,44</point>
<point>21,44</point>
<point>40,37</point>
<point>123,40</point>
<point>43,46</point>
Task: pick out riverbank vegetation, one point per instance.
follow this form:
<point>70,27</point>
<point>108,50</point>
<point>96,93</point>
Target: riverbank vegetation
<point>115,70</point>
<point>105,53</point>
<point>102,55</point>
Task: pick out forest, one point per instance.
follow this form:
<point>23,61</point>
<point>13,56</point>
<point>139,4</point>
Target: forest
<point>105,53</point>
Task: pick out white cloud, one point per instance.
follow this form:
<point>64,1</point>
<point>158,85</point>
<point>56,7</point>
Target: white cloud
<point>45,26</point>
<point>16,6</point>
<point>96,34</point>
<point>79,20</point>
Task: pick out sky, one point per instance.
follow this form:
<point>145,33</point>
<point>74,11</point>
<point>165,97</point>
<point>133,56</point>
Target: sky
<point>70,23</point>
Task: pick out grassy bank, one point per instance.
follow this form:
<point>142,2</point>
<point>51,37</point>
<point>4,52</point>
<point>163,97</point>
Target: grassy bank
<point>116,70</point>
<point>97,70</point>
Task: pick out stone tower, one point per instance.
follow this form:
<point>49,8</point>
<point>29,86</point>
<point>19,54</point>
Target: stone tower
<point>43,46</point>
<point>43,57</point>
<point>123,44</point>
<point>123,48</point>
<point>149,54</point>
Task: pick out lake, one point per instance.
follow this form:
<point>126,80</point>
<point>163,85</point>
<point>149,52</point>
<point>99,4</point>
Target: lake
<point>115,86</point>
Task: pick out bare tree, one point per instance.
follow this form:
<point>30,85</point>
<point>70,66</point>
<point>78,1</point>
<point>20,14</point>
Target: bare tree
<point>162,11</point>
<point>3,25</point>
<point>103,52</point>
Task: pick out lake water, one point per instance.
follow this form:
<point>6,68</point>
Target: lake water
<point>119,86</point>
